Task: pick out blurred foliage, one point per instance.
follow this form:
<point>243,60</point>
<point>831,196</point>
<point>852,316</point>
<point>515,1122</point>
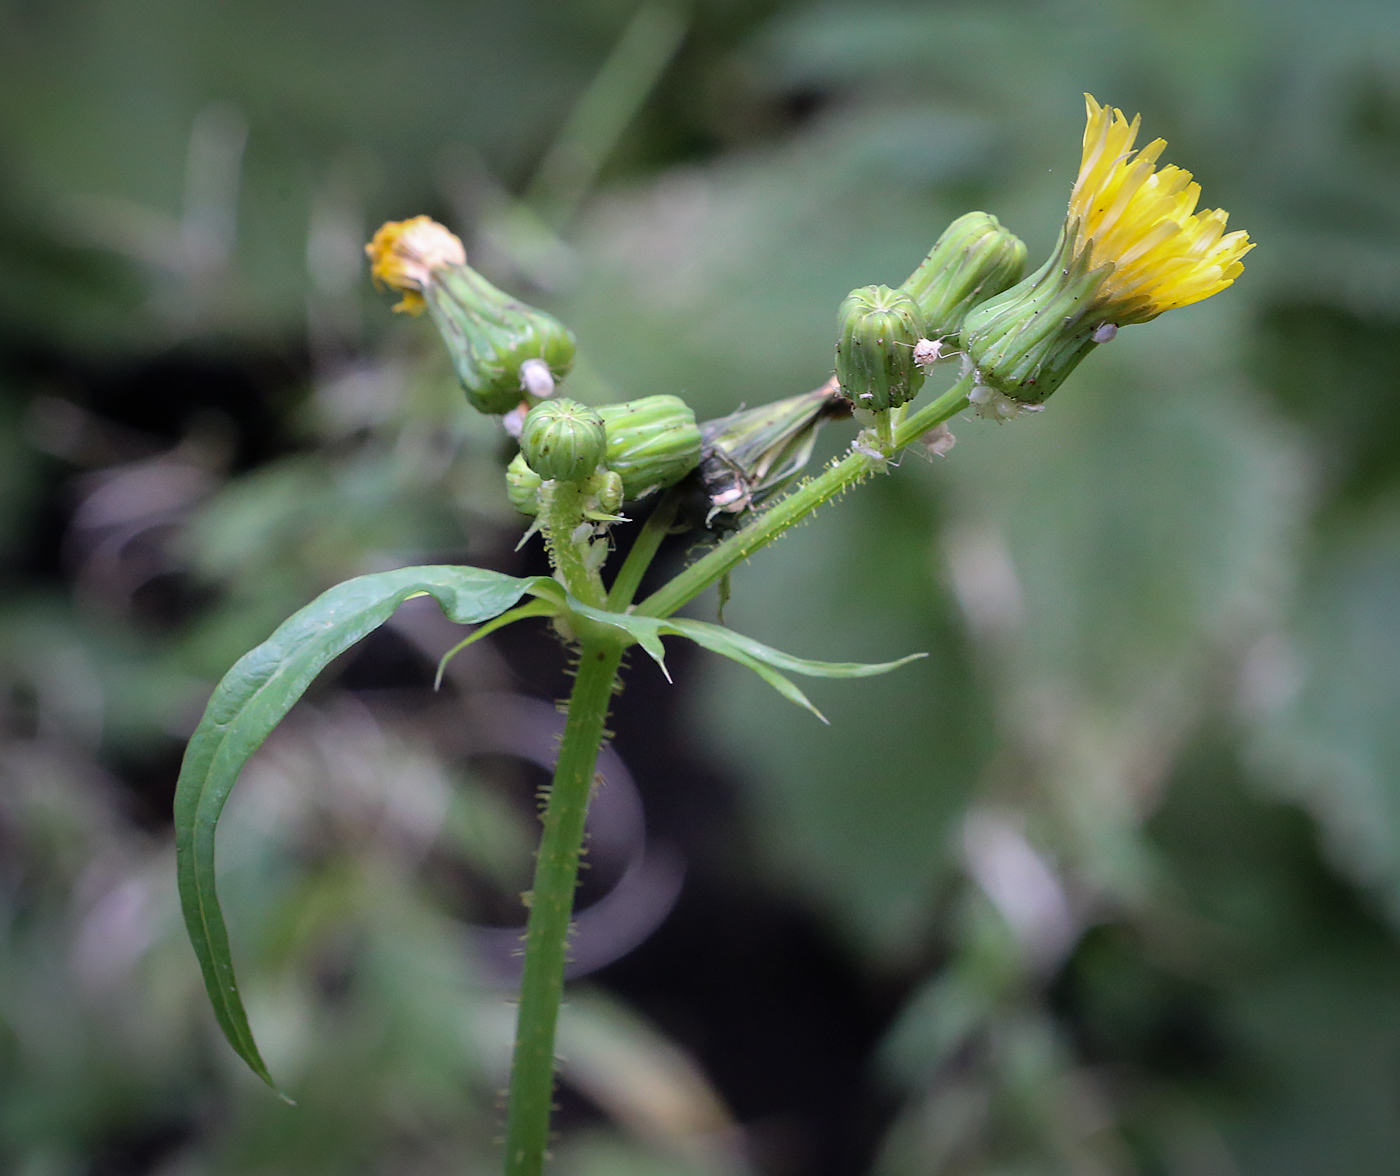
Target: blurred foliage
<point>1114,874</point>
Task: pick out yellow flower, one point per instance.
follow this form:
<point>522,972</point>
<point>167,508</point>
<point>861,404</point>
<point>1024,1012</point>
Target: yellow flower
<point>404,255</point>
<point>1144,223</point>
<point>1133,246</point>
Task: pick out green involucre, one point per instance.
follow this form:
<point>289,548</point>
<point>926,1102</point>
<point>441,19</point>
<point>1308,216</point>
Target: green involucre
<point>523,486</point>
<point>1026,341</point>
<point>489,335</point>
<point>653,442</point>
<point>875,355</point>
<point>563,440</point>
<point>975,259</point>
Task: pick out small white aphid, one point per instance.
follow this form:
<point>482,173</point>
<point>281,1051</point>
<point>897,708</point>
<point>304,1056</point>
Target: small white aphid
<point>537,379</point>
<point>928,352</point>
<point>1104,332</point>
<point>735,499</point>
<point>514,421</point>
<point>595,555</point>
<point>991,405</point>
<point>938,441</point>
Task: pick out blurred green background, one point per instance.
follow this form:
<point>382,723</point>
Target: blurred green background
<point>1108,884</point>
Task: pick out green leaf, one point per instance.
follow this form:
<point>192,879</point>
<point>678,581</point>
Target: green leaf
<point>536,608</point>
<point>761,659</point>
<point>252,699</point>
<point>727,642</point>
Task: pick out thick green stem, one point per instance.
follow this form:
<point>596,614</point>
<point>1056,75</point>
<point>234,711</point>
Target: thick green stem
<point>551,905</point>
<point>634,567</point>
<point>797,506</point>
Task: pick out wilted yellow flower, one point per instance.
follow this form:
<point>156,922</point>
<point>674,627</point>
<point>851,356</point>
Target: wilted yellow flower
<point>1144,223</point>
<point>404,255</point>
<point>505,351</point>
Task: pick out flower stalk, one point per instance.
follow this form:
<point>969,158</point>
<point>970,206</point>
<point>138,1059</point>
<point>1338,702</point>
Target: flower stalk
<point>551,908</point>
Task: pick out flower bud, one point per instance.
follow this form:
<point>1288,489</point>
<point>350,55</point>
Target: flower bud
<point>523,486</point>
<point>1023,343</point>
<point>608,492</point>
<point>563,440</point>
<point>972,261</point>
<point>875,364</point>
<point>490,336</point>
<point>652,442</point>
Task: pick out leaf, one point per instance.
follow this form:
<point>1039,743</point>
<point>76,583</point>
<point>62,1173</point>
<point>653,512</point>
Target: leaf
<point>252,699</point>
<point>536,608</point>
<point>722,640</point>
<point>761,659</point>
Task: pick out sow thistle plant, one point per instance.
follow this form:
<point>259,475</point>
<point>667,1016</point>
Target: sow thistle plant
<point>1133,246</point>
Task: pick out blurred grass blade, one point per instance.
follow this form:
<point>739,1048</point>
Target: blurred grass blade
<point>251,700</point>
<point>605,110</point>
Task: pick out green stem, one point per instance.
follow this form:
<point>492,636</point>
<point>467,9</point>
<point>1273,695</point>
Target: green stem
<point>561,512</point>
<point>551,905</point>
<point>634,567</point>
<point>795,507</point>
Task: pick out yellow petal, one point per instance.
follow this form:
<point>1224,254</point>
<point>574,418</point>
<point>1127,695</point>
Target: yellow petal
<point>1144,221</point>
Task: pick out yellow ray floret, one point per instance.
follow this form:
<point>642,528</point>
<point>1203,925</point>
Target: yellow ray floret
<point>1143,221</point>
<point>403,255</point>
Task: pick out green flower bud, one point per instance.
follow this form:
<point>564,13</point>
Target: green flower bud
<point>491,336</point>
<point>609,493</point>
<point>652,442</point>
<point>523,486</point>
<point>875,364</point>
<point>1024,342</point>
<point>563,441</point>
<point>972,261</point>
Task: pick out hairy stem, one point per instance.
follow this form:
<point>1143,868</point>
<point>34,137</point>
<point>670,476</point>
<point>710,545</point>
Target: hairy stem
<point>797,506</point>
<point>551,905</point>
<point>561,514</point>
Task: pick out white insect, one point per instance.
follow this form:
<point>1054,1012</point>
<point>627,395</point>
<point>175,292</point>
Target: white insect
<point>537,379</point>
<point>928,352</point>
